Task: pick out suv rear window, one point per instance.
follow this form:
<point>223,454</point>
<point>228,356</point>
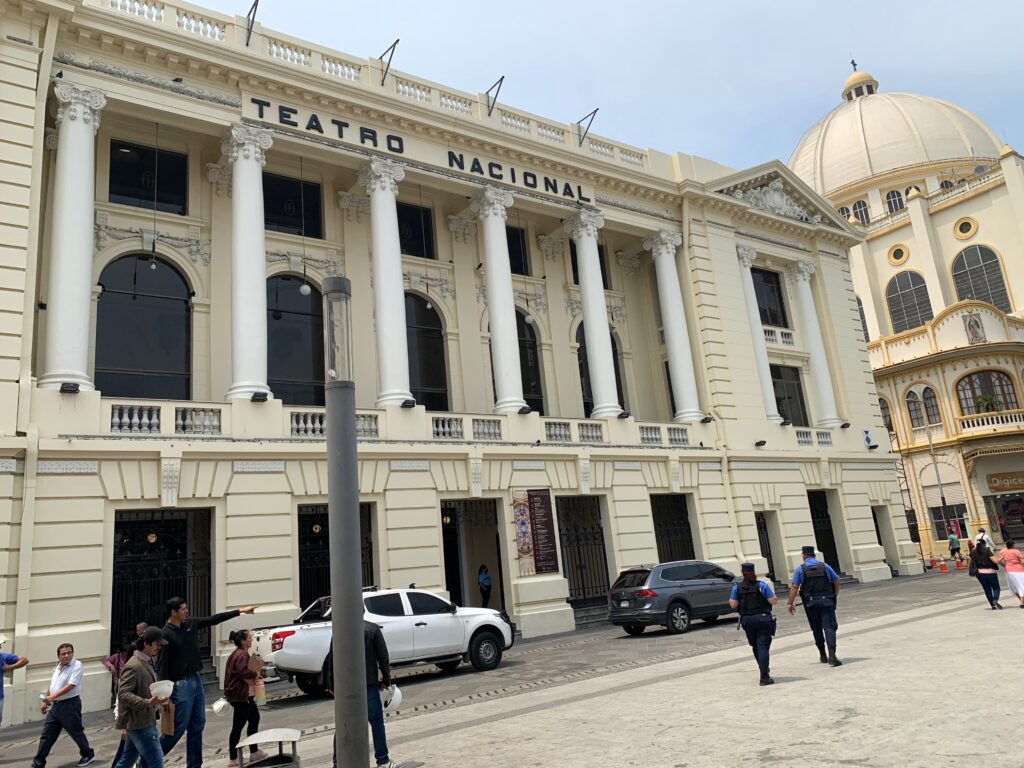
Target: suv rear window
<point>385,605</point>
<point>631,579</point>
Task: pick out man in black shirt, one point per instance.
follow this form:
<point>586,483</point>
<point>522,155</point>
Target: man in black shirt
<point>181,662</point>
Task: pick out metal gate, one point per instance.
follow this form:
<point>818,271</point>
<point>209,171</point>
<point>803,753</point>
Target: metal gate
<point>584,561</point>
<point>765,542</point>
<point>315,551</point>
<point>672,531</point>
<point>159,554</point>
<point>824,536</point>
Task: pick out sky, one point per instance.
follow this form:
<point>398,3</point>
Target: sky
<point>736,81</point>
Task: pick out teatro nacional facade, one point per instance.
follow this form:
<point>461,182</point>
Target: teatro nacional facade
<point>662,356</point>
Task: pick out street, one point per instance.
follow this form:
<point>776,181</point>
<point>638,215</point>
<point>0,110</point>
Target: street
<point>562,666</point>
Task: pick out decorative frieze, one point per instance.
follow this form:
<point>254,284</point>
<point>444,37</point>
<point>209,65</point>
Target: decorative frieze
<point>83,467</point>
<point>772,198</point>
<point>297,260</point>
<point>627,466</point>
<point>258,467</point>
<point>12,466</point>
<point>442,285</point>
<point>528,465</point>
<point>535,300</point>
<point>409,465</point>
<point>198,250</point>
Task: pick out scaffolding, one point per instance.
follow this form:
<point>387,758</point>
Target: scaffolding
<point>905,496</point>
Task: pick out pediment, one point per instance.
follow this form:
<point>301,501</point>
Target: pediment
<point>774,189</point>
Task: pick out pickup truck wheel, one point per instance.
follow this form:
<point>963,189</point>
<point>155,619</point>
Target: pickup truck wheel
<point>308,685</point>
<point>449,666</point>
<point>485,651</point>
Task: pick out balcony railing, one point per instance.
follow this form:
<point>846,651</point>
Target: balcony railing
<point>994,420</point>
<point>783,336</point>
<point>147,419</point>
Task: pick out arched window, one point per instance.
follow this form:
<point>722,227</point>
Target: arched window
<point>931,406</point>
<point>530,365</point>
<point>860,211</point>
<point>144,330</point>
<point>295,341</point>
<point>986,392</point>
<point>912,188</point>
<point>977,275</point>
<point>428,375</point>
<point>844,212</point>
<point>883,406</point>
<point>588,393</point>
<point>894,200</point>
<point>907,297</point>
<point>863,320</point>
<point>946,184</point>
<point>915,410</point>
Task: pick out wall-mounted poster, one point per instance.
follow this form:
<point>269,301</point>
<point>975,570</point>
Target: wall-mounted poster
<point>524,532</point>
<point>545,538</point>
<point>974,328</point>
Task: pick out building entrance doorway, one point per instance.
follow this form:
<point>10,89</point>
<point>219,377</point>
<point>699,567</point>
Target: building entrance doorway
<point>824,535</point>
<point>672,532</point>
<point>315,551</point>
<point>159,554</point>
<point>764,540</point>
<point>584,558</point>
<point>469,535</point>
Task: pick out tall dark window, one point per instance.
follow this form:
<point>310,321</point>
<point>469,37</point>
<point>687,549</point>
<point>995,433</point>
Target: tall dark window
<point>907,298</point>
<point>977,275</point>
<point>428,377</point>
<point>588,392</point>
<point>986,392</point>
<point>518,255</point>
<point>931,406</point>
<point>789,395</point>
<point>915,410</point>
<point>883,406</point>
<point>576,269</point>
<point>292,206</point>
<point>671,394</point>
<point>770,302</point>
<point>530,365</point>
<point>295,342</point>
<point>863,320</point>
<point>144,330</point>
<point>416,231</point>
<point>894,201</point>
<point>141,175</point>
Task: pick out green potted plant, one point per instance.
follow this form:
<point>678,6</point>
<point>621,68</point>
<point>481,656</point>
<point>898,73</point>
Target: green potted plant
<point>987,404</point>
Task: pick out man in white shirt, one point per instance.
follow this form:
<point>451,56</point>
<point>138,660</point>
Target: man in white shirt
<point>62,705</point>
<point>982,535</point>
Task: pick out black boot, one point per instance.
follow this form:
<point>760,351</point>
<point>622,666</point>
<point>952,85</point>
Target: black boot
<point>822,657</point>
<point>767,680</point>
<point>832,660</point>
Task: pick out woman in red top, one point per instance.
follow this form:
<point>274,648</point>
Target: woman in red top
<point>240,674</point>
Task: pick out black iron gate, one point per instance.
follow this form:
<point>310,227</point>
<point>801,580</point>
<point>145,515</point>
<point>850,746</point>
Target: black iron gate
<point>315,553</point>
<point>584,560</point>
<point>159,554</point>
<point>672,531</point>
<point>824,536</point>
<point>765,542</point>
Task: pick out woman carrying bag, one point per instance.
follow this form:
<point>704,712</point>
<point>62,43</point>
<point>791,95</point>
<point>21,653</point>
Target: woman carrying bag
<point>241,674</point>
<point>985,566</point>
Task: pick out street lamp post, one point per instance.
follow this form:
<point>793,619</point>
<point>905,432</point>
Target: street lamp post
<point>349,667</point>
<point>938,482</point>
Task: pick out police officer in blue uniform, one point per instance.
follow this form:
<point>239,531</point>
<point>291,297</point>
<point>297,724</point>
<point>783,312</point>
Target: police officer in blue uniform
<point>818,586</point>
<point>755,599</point>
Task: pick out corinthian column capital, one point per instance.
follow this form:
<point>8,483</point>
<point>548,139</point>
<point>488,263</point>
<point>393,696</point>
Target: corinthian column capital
<point>801,271</point>
<point>663,243</point>
<point>462,229</point>
<point>747,255</point>
<point>381,174</point>
<point>246,142</point>
<point>77,103</point>
<point>584,222</point>
<point>491,201</point>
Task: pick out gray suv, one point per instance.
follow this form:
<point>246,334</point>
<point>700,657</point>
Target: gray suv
<point>670,595</point>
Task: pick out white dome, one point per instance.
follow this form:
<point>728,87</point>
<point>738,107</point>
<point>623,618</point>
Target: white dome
<point>872,133</point>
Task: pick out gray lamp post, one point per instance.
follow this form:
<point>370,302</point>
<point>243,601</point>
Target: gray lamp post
<point>349,668</point>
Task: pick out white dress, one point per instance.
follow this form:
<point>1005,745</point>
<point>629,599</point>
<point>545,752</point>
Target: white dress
<point>1014,579</point>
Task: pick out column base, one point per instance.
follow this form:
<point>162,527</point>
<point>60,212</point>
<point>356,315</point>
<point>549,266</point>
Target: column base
<point>393,397</point>
<point>831,422</point>
<point>54,380</point>
<point>774,418</point>
<point>603,411</point>
<point>688,416</point>
<point>510,405</point>
<point>244,390</point>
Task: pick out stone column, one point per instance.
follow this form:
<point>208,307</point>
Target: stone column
<point>69,289</point>
<point>662,246</point>
<point>764,374</point>
<point>821,379</point>
<point>583,229</point>
<point>380,179</point>
<point>245,148</point>
<point>490,206</point>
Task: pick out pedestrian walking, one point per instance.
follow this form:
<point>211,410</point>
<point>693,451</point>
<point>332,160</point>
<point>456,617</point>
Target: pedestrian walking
<point>483,580</point>
<point>1003,530</point>
<point>62,705</point>
<point>136,705</point>
<point>818,586</point>
<point>376,660</point>
<point>954,547</point>
<point>115,663</point>
<point>140,628</point>
<point>985,567</point>
<point>240,675</point>
<point>8,663</point>
<point>181,662</point>
<point>1013,562</point>
<point>983,536</point>
<point>755,599</point>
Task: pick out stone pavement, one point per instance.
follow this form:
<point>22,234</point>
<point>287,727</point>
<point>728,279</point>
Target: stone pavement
<point>881,708</point>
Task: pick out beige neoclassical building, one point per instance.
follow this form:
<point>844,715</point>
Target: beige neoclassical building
<point>940,287</point>
<point>572,355</point>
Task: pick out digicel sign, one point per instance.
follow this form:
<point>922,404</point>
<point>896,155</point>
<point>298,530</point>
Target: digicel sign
<point>1006,481</point>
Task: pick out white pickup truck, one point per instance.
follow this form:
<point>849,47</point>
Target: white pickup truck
<point>419,628</point>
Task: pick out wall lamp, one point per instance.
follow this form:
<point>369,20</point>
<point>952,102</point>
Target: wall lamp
<point>69,387</point>
<point>259,397</point>
<point>410,403</point>
<point>525,410</point>
<point>845,425</point>
<point>785,423</point>
<point>760,443</point>
<point>873,446</point>
<point>623,414</point>
<point>707,419</point>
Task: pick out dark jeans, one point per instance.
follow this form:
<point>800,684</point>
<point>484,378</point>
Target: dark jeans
<point>759,634</point>
<point>375,714</point>
<point>189,715</point>
<point>821,615</point>
<point>63,715</point>
<point>142,743</point>
<point>990,583</point>
<point>485,596</point>
<point>244,712</point>
<point>120,751</point>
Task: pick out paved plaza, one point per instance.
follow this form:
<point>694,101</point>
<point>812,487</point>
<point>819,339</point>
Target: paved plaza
<point>598,697</point>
